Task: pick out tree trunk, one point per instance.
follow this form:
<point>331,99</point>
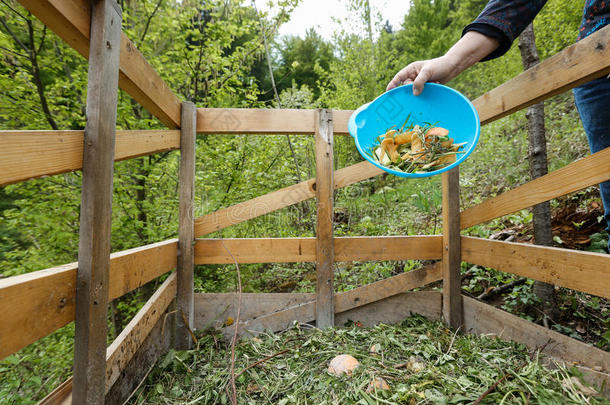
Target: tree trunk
<point>538,167</point>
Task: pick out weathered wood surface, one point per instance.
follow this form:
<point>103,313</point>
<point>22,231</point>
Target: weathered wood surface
<point>577,64</point>
<point>582,173</point>
<point>278,199</point>
<point>70,20</point>
<point>295,250</point>
<point>264,121</point>
<point>62,395</point>
<point>212,310</point>
<point>186,238</point>
<point>385,309</point>
<point>481,318</point>
<point>386,288</point>
<point>31,154</point>
<point>395,309</point>
<point>91,307</point>
<point>156,344</point>
<point>125,346</point>
<point>41,302</point>
<point>452,258</point>
<point>345,301</point>
<point>325,247</point>
<point>583,271</point>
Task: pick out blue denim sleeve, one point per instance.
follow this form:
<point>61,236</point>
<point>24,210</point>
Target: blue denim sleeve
<point>504,20</point>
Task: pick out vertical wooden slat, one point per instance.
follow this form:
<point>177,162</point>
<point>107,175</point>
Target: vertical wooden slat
<point>325,315</point>
<point>96,206</point>
<point>452,298</point>
<point>185,304</point>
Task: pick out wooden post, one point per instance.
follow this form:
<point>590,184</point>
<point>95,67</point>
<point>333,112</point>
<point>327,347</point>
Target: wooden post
<point>96,204</point>
<point>185,305</point>
<point>325,311</point>
<point>452,256</point>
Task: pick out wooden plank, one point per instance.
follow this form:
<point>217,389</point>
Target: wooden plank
<point>483,319</point>
<point>395,309</point>
<point>255,121</point>
<point>296,250</point>
<point>279,199</point>
<point>583,271</point>
<point>577,64</point>
<point>344,301</point>
<point>70,20</point>
<point>340,119</point>
<point>325,252</point>
<point>152,348</point>
<point>135,267</point>
<point>96,204</point>
<point>387,288</point>
<point>41,302</point>
<point>452,258</point>
<point>28,155</point>
<point>582,173</point>
<point>264,121</point>
<point>212,310</point>
<point>374,248</point>
<point>62,395</point>
<point>255,250</point>
<point>186,266</point>
<point>125,346</point>
<point>400,306</point>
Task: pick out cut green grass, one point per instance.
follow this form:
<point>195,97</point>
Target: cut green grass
<point>456,369</point>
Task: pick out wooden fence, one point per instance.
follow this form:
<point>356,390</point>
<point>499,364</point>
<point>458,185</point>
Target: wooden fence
<point>38,303</point>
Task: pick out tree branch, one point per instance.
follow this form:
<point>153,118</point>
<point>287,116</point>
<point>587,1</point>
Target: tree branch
<point>36,76</point>
<point>150,17</point>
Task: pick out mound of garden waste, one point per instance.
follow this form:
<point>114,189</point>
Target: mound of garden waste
<point>416,362</point>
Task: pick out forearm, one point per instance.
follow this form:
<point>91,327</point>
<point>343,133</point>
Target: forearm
<point>470,49</point>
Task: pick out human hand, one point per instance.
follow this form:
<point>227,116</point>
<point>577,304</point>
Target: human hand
<point>438,70</point>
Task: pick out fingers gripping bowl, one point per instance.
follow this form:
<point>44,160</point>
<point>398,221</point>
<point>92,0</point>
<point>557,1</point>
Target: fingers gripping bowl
<point>436,106</point>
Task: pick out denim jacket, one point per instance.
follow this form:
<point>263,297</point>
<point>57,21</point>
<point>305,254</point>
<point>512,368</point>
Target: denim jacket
<point>504,20</point>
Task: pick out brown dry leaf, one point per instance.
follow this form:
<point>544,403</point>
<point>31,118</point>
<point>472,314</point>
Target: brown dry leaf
<point>377,383</point>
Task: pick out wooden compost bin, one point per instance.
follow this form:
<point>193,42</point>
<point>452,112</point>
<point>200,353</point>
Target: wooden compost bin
<point>36,304</point>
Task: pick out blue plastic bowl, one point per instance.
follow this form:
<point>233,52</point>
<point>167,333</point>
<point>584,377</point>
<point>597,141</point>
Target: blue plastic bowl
<point>437,104</point>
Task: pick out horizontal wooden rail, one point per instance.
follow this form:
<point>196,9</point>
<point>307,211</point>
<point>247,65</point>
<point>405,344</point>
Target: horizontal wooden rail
<point>71,20</point>
<point>38,303</point>
<point>31,154</point>
<point>577,175</point>
<point>123,348</point>
<point>582,271</point>
<point>265,121</point>
<point>278,199</point>
<point>577,64</point>
<point>292,250</point>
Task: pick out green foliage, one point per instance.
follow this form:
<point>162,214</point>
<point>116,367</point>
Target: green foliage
<point>212,53</point>
<point>453,368</point>
<point>301,60</point>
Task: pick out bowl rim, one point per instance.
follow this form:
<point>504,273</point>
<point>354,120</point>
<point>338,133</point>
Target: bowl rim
<point>352,129</point>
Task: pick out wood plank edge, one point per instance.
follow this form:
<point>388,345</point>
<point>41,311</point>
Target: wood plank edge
<point>123,348</point>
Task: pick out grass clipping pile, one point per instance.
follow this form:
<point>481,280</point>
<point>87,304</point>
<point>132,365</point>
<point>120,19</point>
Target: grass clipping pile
<point>417,362</point>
